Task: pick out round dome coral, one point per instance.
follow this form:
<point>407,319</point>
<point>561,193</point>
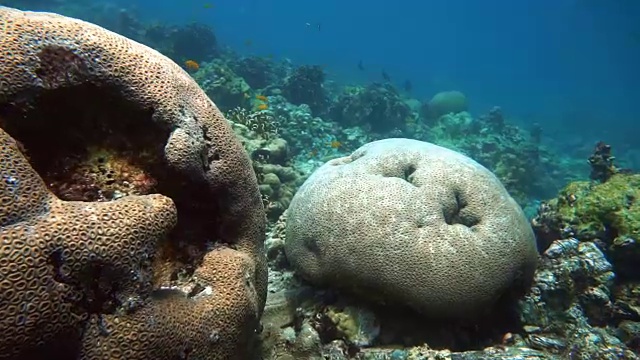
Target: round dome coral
<point>413,223</point>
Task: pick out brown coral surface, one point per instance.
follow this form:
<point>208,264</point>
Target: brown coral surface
<point>131,225</point>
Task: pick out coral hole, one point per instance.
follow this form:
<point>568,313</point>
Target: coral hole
<point>88,144</point>
<point>460,213</point>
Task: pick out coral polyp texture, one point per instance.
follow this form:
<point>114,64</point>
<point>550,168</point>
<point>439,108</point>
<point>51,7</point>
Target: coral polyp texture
<point>413,223</point>
<point>131,223</point>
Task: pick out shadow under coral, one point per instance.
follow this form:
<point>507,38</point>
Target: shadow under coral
<point>402,327</point>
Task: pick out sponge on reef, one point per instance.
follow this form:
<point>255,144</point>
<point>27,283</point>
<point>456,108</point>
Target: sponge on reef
<point>408,222</point>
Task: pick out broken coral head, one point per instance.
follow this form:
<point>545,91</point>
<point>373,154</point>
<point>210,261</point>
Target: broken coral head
<point>96,132</point>
<point>100,147</point>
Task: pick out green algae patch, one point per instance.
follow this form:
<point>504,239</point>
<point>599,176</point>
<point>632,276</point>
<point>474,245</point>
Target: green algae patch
<point>610,209</point>
<point>607,213</point>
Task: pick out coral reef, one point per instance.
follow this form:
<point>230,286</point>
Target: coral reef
<point>601,162</point>
<point>608,213</point>
<point>571,310</point>
<point>305,85</point>
<point>100,124</point>
<point>574,310</point>
<point>442,103</point>
<point>298,126</point>
<point>585,293</point>
<point>258,72</point>
<point>186,42</point>
<point>277,179</point>
<point>376,105</point>
<point>131,224</point>
<point>259,124</point>
<point>355,325</point>
<point>367,223</point>
<point>526,168</point>
<point>220,82</point>
<point>278,184</point>
<point>72,262</point>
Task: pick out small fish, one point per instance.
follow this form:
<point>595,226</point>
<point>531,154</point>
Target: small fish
<point>192,65</point>
<point>335,144</point>
<point>360,66</point>
<point>207,5</point>
<point>385,76</point>
<point>318,25</point>
<point>262,98</point>
<point>408,86</point>
<point>263,107</point>
<point>248,42</point>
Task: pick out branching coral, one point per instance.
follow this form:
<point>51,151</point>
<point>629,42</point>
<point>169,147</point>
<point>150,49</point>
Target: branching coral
<point>270,154</point>
<point>262,123</point>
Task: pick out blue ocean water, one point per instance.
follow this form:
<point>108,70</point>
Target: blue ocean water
<point>570,65</point>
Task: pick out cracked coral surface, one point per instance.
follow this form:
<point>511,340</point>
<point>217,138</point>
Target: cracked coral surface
<point>94,280</point>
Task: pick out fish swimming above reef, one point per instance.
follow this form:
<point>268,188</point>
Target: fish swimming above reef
<point>408,86</point>
<point>385,76</point>
<point>318,25</point>
<point>192,65</point>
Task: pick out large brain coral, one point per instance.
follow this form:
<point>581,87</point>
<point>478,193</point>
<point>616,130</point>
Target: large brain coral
<point>131,225</point>
<point>410,222</point>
